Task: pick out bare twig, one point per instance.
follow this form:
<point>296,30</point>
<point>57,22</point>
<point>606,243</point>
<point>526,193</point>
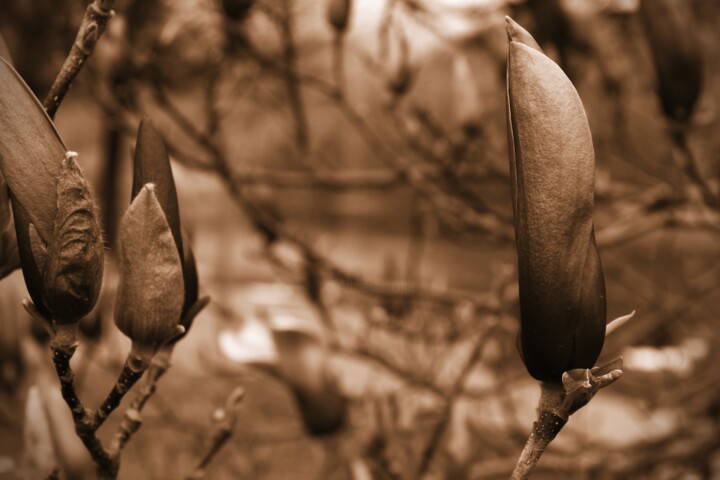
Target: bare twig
<point>456,392</point>
<point>92,27</point>
<point>297,105</point>
<point>227,418</point>
<point>557,402</point>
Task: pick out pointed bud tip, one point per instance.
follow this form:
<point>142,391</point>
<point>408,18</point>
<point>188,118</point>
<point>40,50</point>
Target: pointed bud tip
<point>516,33</point>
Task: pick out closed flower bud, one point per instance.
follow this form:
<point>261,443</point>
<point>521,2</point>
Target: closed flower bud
<point>58,235</point>
<point>467,104</point>
<point>675,48</point>
<point>402,75</point>
<point>338,14</point>
<point>236,9</point>
<point>151,290</point>
<point>152,165</point>
<point>562,290</point>
<point>303,363</point>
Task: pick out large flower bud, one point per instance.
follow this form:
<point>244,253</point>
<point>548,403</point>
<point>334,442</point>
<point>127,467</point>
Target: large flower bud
<point>58,233</point>
<point>562,290</point>
<point>151,291</point>
<point>152,165</point>
<point>675,48</point>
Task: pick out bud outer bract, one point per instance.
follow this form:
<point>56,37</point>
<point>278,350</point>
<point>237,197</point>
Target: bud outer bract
<point>562,290</point>
<point>31,151</point>
<point>151,290</point>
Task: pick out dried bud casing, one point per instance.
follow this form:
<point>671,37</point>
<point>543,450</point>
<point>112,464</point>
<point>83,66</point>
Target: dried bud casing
<point>338,15</point>
<point>562,289</point>
<point>72,274</point>
<point>675,47</point>
<point>151,290</point>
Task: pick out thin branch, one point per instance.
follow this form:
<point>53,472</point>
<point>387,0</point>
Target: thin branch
<point>456,392</point>
<point>227,418</point>
<point>62,353</point>
<point>92,27</point>
<point>132,420</point>
<point>292,83</point>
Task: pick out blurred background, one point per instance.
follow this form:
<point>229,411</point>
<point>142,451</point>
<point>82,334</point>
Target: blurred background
<point>342,173</point>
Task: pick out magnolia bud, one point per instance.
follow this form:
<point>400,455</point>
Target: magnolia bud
<point>562,290</point>
<point>675,47</point>
<point>152,165</point>
<point>467,104</point>
<point>151,290</point>
<point>303,363</point>
<point>236,9</point>
<point>58,235</point>
<point>402,75</point>
<point>338,14</point>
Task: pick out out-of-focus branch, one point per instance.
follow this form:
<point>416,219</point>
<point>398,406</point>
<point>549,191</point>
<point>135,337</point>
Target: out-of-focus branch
<point>92,27</point>
<point>456,392</point>
<point>297,106</point>
<point>226,418</point>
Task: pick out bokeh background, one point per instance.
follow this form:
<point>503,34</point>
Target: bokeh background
<point>351,186</point>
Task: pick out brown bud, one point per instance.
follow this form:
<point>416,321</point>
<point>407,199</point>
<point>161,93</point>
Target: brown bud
<point>467,104</point>
<point>52,207</point>
<point>151,290</point>
<point>562,289</point>
<point>303,362</point>
<point>402,75</point>
<point>675,47</point>
<point>236,9</point>
<point>338,14</point>
<point>72,273</point>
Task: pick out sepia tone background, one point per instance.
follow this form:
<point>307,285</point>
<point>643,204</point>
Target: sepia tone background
<point>376,216</point>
